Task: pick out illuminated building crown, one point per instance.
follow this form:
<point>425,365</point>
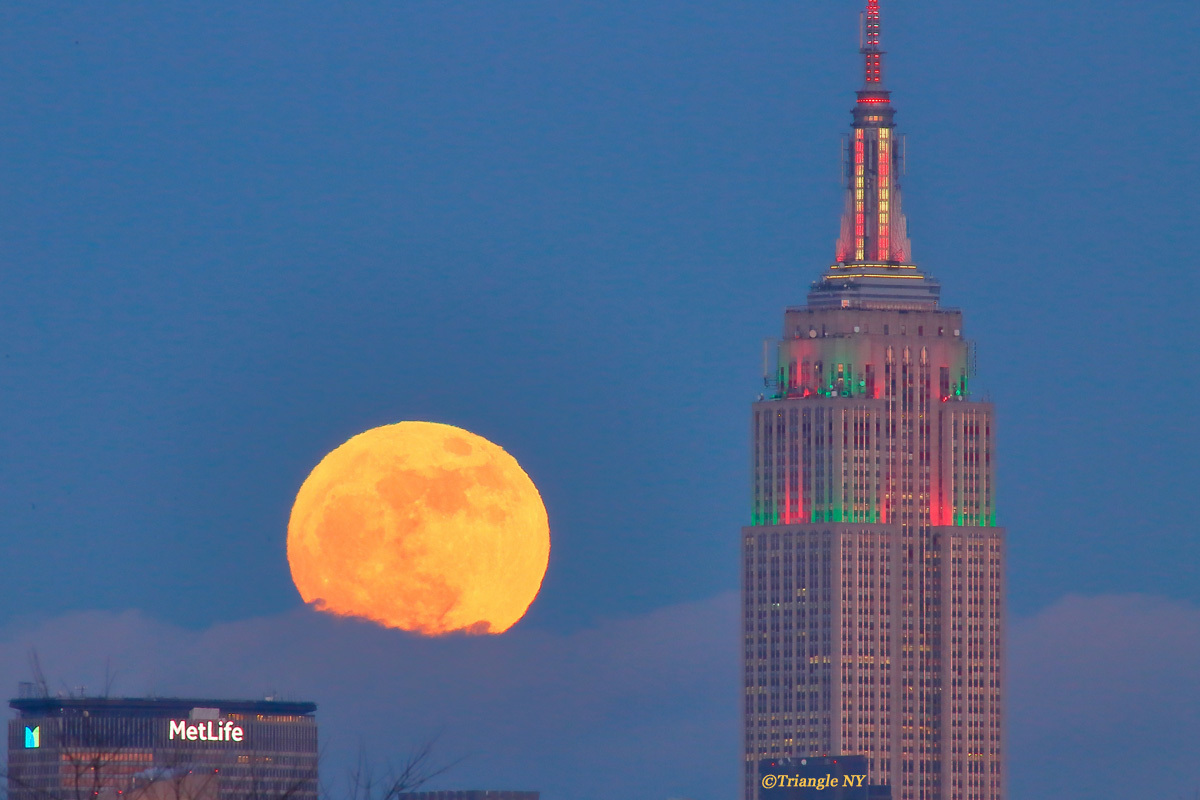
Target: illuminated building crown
<point>874,266</point>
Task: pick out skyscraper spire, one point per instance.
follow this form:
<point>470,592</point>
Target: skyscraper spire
<point>870,49</point>
<point>874,230</point>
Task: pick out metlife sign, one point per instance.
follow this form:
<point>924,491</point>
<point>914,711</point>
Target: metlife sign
<point>205,731</point>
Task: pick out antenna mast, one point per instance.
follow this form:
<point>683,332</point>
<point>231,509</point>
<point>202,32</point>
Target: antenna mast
<point>870,47</point>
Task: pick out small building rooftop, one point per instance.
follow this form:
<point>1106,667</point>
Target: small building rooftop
<point>152,706</point>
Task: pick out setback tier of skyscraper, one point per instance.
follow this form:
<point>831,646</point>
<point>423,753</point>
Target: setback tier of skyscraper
<point>84,748</point>
<point>873,569</point>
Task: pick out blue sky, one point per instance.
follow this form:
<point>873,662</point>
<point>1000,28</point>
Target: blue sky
<point>234,235</point>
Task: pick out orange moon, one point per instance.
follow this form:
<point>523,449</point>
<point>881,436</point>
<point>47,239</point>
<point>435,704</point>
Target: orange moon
<point>423,527</point>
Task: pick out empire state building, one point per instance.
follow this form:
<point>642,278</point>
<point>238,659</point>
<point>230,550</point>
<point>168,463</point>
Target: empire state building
<point>873,570</point>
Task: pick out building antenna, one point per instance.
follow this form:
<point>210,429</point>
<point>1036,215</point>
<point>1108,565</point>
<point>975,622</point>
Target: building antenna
<point>39,679</point>
<point>766,368</point>
<point>869,46</point>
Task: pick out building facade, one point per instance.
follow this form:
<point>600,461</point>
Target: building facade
<point>161,749</point>
<point>873,570</point>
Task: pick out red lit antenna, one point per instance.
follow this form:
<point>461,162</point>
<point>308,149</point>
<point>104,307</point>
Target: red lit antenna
<point>870,46</point>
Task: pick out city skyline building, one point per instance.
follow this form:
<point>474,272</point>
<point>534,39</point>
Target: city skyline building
<point>106,748</point>
<point>873,570</point>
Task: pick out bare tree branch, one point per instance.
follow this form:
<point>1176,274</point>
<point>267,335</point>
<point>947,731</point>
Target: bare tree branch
<point>417,769</point>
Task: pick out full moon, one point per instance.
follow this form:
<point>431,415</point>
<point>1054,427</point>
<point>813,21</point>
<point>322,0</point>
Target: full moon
<point>420,526</point>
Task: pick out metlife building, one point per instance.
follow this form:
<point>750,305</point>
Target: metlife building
<point>84,748</point>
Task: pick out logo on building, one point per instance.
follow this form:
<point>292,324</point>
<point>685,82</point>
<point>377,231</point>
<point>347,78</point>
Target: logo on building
<point>33,736</point>
<point>203,731</point>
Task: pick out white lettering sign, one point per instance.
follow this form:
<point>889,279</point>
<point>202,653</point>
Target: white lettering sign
<point>206,731</point>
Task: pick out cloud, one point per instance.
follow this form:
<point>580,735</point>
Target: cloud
<point>639,707</point>
<point>1104,701</point>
